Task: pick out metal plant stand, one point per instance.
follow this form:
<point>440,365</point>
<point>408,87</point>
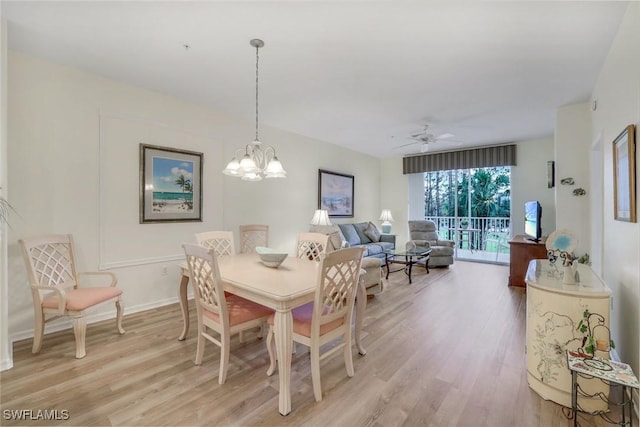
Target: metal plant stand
<point>610,373</point>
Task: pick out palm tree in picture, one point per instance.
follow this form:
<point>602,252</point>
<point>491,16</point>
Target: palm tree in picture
<point>187,188</point>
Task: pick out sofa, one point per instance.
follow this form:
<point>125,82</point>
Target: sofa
<point>425,233</point>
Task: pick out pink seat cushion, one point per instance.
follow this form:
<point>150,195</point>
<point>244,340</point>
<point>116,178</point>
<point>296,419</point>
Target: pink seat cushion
<point>83,298</point>
<point>302,321</point>
<point>240,310</point>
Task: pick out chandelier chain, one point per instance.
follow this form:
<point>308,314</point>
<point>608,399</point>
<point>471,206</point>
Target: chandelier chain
<point>257,59</point>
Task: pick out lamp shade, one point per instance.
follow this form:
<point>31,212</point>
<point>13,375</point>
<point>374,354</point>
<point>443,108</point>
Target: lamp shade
<point>387,219</point>
<point>385,216</point>
<point>320,217</point>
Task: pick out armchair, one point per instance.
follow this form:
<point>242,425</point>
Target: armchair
<point>425,233</point>
<point>57,288</point>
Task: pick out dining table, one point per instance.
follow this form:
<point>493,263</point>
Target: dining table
<point>290,285</point>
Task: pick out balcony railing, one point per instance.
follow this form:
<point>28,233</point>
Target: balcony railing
<point>486,237</point>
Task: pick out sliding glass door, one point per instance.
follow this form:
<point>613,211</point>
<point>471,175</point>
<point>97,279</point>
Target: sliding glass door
<point>471,207</point>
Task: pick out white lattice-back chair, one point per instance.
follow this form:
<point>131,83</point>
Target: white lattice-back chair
<point>57,290</point>
<point>312,245</point>
<point>330,314</point>
<point>253,235</point>
<point>220,241</point>
<point>226,314</point>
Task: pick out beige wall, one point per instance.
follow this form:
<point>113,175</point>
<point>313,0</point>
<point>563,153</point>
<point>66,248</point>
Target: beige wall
<point>617,92</point>
<point>572,147</point>
<point>529,182</point>
<point>73,143</point>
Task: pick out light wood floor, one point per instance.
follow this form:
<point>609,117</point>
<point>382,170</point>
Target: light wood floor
<point>447,350</point>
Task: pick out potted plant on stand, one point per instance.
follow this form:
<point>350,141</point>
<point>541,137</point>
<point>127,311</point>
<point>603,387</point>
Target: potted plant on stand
<point>464,223</point>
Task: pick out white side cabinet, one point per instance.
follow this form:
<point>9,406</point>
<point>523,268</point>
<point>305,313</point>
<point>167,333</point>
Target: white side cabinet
<point>554,311</point>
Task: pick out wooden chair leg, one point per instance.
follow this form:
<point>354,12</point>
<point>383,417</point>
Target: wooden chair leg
<point>315,374</point>
<point>225,344</point>
<point>348,355</point>
<point>119,310</point>
<point>271,350</point>
<point>38,331</point>
<point>200,345</point>
<point>80,330</point>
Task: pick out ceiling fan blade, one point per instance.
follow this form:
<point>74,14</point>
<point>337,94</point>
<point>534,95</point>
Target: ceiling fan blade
<point>406,145</point>
<point>445,135</point>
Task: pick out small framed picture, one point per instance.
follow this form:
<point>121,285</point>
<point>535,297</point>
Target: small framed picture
<point>551,174</point>
<point>335,193</point>
<point>170,185</point>
<point>624,175</point>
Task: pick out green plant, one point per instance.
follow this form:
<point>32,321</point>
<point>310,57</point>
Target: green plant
<point>586,328</point>
<point>584,259</point>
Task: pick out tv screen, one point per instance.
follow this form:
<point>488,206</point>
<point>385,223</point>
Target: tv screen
<point>532,220</point>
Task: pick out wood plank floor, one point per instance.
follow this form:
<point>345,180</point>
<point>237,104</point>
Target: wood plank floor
<point>447,350</point>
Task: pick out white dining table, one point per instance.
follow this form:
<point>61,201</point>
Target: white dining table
<point>291,285</point>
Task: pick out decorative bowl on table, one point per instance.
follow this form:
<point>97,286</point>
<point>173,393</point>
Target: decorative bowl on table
<point>270,257</point>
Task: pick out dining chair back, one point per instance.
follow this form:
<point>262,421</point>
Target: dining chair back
<point>220,241</point>
<point>329,316</point>
<point>226,314</point>
<point>56,287</point>
<point>312,245</point>
<point>253,235</point>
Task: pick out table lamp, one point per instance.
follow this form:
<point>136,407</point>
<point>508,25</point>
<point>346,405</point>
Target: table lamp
<point>386,219</point>
<point>320,217</point>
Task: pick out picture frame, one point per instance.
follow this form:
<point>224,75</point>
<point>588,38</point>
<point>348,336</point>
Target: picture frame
<point>624,176</point>
<point>335,193</point>
<point>170,184</point>
<point>551,174</point>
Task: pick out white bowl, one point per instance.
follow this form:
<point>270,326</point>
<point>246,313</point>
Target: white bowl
<point>270,257</point>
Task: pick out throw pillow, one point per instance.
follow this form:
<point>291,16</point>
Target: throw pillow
<point>372,232</point>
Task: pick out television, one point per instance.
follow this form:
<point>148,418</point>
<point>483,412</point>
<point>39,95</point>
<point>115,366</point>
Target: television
<point>533,220</point>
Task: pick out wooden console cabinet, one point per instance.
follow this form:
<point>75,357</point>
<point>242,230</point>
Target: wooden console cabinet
<point>522,251</point>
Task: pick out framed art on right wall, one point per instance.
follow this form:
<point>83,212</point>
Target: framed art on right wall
<point>624,175</point>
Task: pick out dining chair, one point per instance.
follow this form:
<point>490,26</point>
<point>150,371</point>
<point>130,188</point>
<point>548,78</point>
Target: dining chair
<point>57,288</point>
<point>226,314</point>
<point>253,235</point>
<point>329,316</point>
<point>312,245</point>
<point>220,241</point>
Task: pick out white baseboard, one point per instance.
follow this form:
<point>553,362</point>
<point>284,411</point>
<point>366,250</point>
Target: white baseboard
<point>7,363</point>
<point>66,323</point>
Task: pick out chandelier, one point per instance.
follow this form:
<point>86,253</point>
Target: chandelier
<point>255,162</point>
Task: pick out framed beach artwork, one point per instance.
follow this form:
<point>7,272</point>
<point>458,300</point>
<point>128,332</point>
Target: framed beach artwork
<point>624,175</point>
<point>335,193</point>
<point>170,185</point>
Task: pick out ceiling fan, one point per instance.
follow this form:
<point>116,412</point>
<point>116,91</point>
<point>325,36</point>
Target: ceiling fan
<point>426,137</point>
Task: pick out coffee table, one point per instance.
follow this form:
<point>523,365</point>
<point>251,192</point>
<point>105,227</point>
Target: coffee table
<point>408,258</point>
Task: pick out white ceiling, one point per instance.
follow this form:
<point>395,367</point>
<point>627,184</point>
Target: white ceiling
<point>360,74</point>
